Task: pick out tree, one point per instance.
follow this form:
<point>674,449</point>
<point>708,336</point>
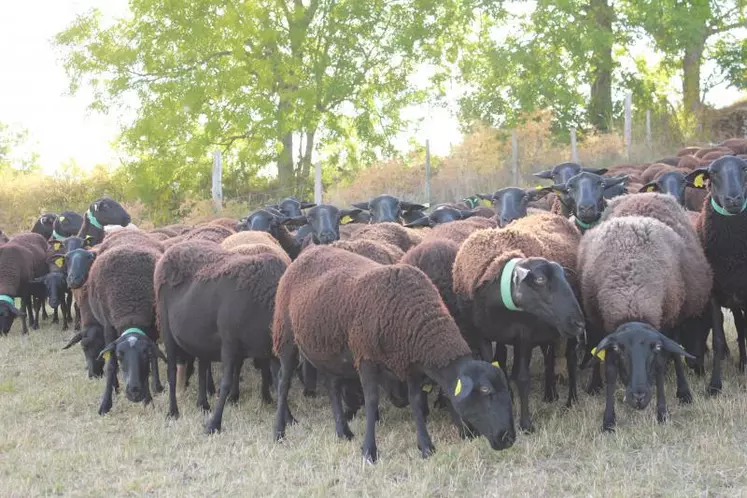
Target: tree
<point>685,30</point>
<point>558,56</point>
<point>268,80</point>
<point>13,141</point>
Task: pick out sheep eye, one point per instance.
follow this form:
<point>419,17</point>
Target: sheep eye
<point>540,280</point>
<point>657,347</point>
<point>615,347</point>
<point>485,390</point>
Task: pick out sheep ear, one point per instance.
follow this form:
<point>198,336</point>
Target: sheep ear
<point>307,205</point>
<point>295,220</point>
<point>520,273</point>
<point>538,193</point>
<point>485,197</point>
<point>158,352</point>
<point>615,180</point>
<point>560,187</point>
<point>697,178</point>
<point>467,214</point>
<point>107,351</point>
<point>546,175</point>
<point>463,387</point>
<point>420,222</point>
<point>650,187</point>
<point>75,340</point>
<point>361,205</point>
<point>596,171</point>
<point>674,348</point>
<point>601,349</point>
<point>411,206</point>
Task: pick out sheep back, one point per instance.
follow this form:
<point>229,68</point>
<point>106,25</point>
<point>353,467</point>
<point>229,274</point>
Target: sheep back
<point>436,258</point>
<point>391,233</point>
<point>213,233</point>
<point>248,237</point>
<point>381,252</point>
<point>458,231</point>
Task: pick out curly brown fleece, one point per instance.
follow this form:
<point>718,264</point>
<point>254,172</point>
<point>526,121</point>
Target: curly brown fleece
<point>16,269</point>
<point>120,287</point>
<point>381,252</point>
<point>254,249</point>
<point>130,238</point>
<point>38,247</point>
<point>86,314</point>
<point>458,231</point>
<point>391,315</point>
<point>228,223</point>
<point>482,256</point>
<point>391,233</point>
<point>249,237</point>
<point>436,259</point>
<point>698,277</point>
<point>643,278</point>
<point>214,233</point>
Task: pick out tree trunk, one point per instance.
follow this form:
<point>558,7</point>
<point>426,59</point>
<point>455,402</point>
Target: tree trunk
<point>286,173</point>
<point>600,103</point>
<point>691,76</point>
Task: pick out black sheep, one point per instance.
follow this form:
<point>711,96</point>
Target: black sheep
<point>439,216</point>
<point>44,226</point>
<point>388,208</point>
<point>512,203</point>
<point>217,305</point>
<point>588,192</point>
<point>102,212</point>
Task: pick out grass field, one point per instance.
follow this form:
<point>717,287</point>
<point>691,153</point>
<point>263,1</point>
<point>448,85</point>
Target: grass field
<point>53,442</point>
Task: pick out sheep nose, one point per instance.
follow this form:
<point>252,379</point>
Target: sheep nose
<point>639,399</point>
<point>733,201</point>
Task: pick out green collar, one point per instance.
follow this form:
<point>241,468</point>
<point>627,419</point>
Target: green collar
<point>133,330</point>
<point>472,201</point>
<point>723,211</point>
<point>8,300</point>
<point>506,278</point>
<point>93,220</point>
<point>583,225</point>
<point>57,236</point>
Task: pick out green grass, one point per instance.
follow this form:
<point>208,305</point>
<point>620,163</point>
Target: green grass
<point>53,442</point>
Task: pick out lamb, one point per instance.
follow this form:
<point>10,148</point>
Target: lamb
<point>91,336</point>
<point>381,252</point>
<point>387,208</point>
<point>512,203</point>
<point>515,277</point>
<point>102,212</point>
<point>418,339</point>
<point>44,225</point>
<point>22,259</point>
<point>122,300</point>
<point>643,290</point>
<point>722,228</point>
<point>391,233</point>
<point>217,305</point>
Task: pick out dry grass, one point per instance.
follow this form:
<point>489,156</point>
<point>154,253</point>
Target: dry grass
<point>54,443</point>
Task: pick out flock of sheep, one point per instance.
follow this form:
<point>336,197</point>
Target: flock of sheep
<point>624,268</point>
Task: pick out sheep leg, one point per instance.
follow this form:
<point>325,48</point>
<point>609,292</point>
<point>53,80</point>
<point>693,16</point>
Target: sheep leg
<point>608,423</point>
<point>155,380</point>
<point>334,387</point>
<point>551,388</point>
<point>572,365</point>
<point>661,402</point>
<point>265,370</point>
<point>209,380</point>
<point>683,389</point>
<point>65,324</point>
<point>501,354</point>
<point>415,395</point>
<point>111,377</point>
<point>55,315</point>
<point>39,302</point>
<point>189,371</point>
<point>233,396</point>
<point>309,379</point>
<point>369,375</point>
<point>288,363</point>
<point>718,347</point>
<point>523,381</point>
<point>275,370</point>
<point>77,316</point>
<point>230,367</point>
<point>202,395</point>
<point>517,361</point>
<point>595,384</point>
<point>171,367</point>
<point>35,317</point>
<point>739,323</point>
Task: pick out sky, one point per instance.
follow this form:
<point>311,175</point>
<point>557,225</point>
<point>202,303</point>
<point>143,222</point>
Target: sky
<point>33,90</point>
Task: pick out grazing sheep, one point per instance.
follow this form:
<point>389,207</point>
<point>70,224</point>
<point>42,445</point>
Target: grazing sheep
<point>642,291</point>
<point>387,208</point>
<point>102,212</point>
<point>91,336</point>
<point>391,233</point>
<point>515,277</point>
<point>459,231</point>
<point>722,228</point>
<point>217,305</point>
<point>512,203</point>
<point>417,340</point>
<point>439,216</point>
<point>44,225</point>
<point>689,162</point>
<point>121,296</point>
<point>375,250</point>
<point>587,193</point>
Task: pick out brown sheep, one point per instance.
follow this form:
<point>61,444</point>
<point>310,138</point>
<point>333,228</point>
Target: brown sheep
<point>459,231</point>
<point>687,151</point>
<point>689,162</point>
<point>22,259</point>
<point>217,305</point>
<point>398,326</point>
<point>249,237</point>
<point>737,145</point>
<point>389,232</point>
<point>122,300</point>
<point>703,152</point>
<point>381,252</point>
<point>533,299</point>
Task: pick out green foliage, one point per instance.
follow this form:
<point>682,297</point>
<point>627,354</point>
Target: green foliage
<point>264,81</point>
<point>732,58</point>
<point>12,155</point>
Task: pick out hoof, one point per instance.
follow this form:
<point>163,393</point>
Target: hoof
<point>714,390</point>
<point>173,414</point>
<point>105,408</point>
<point>427,451</point>
<point>346,433</point>
<point>205,406</point>
<point>551,397</point>
<point>526,428</point>
<point>309,394</point>
<point>370,454</point>
<point>685,397</point>
<point>661,417</point>
<point>608,427</point>
<point>212,429</point>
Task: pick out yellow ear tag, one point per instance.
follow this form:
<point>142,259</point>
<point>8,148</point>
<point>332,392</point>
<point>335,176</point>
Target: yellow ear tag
<point>650,189</point>
<point>599,354</point>
<point>62,218</point>
<point>107,355</point>
<point>539,187</point>
<point>345,219</point>
<point>56,245</point>
<point>496,364</point>
<point>698,182</point>
<point>427,388</point>
<point>458,388</point>
<point>59,262</point>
